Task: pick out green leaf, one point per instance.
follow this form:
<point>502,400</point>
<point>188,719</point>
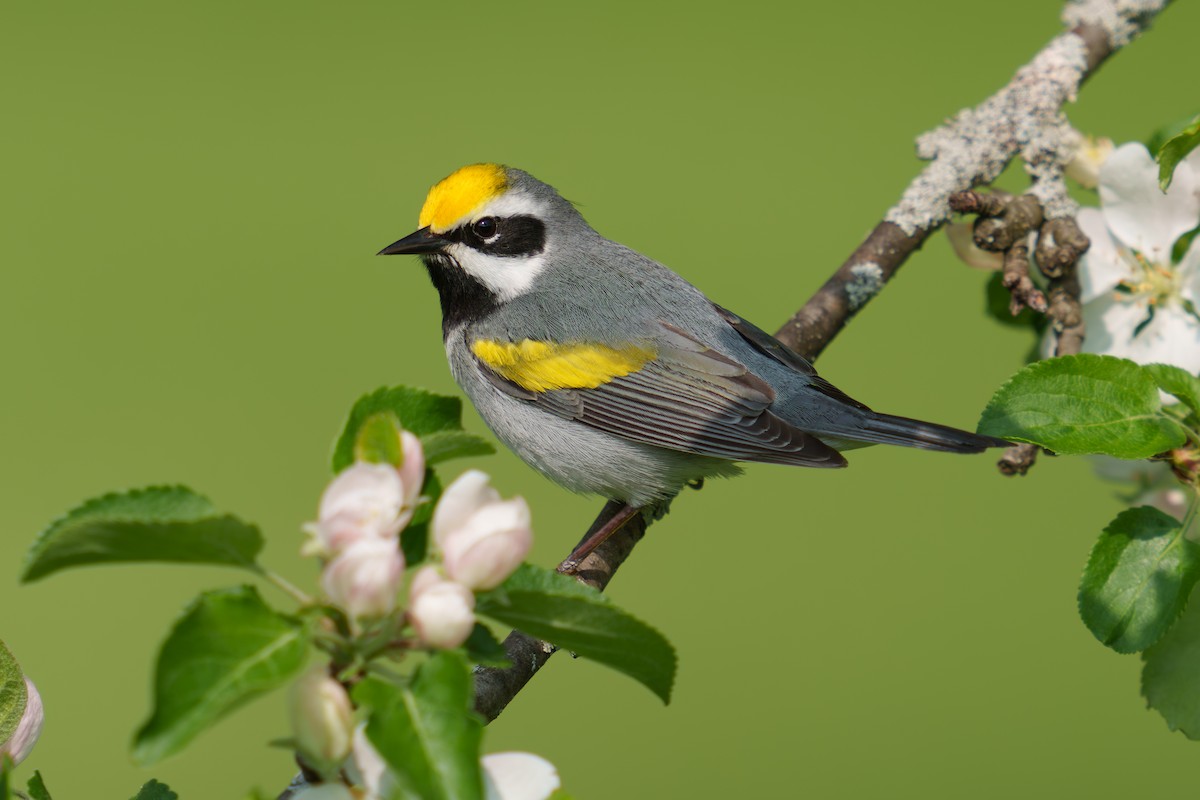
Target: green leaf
<point>445,445</point>
<point>590,626</point>
<point>419,411</point>
<point>484,648</point>
<point>227,648</point>
<point>378,440</point>
<point>161,523</point>
<point>997,306</point>
<point>1171,674</point>
<point>427,732</point>
<point>1174,150</point>
<point>1179,382</point>
<point>13,694</point>
<point>37,787</point>
<point>6,767</point>
<point>156,791</point>
<point>1138,579</point>
<point>1083,404</point>
<point>532,578</point>
<point>414,539</point>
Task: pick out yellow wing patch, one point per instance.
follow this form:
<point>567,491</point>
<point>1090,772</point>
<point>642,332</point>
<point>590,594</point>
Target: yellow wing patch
<point>458,195</point>
<point>544,366</point>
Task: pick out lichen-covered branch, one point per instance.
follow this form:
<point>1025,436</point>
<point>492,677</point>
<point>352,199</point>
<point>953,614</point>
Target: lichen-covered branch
<point>1024,119</point>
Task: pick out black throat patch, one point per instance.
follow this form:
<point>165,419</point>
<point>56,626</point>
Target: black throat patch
<point>464,299</point>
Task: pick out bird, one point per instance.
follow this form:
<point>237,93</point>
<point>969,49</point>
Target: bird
<point>608,372</point>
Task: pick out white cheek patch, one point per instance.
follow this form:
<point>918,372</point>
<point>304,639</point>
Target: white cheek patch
<point>507,277</point>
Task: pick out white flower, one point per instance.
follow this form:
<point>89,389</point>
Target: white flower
<point>369,769</point>
<point>441,611</point>
<point>28,729</point>
<point>364,579</point>
<point>518,776</point>
<point>322,718</point>
<point>482,538</point>
<point>506,776</point>
<point>1137,304</point>
<point>1090,156</point>
<point>363,501</point>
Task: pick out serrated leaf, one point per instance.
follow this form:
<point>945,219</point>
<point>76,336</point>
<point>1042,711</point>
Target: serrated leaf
<point>419,411</point>
<point>532,578</point>
<point>590,627</point>
<point>228,648</point>
<point>1179,382</point>
<point>13,694</point>
<point>153,790</point>
<point>427,732</point>
<point>1171,674</point>
<point>160,523</point>
<point>1138,579</point>
<point>1083,404</point>
<point>37,787</point>
<point>1174,150</point>
<point>445,445</point>
<point>378,440</point>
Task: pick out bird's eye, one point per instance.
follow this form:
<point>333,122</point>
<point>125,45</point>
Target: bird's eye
<point>484,228</point>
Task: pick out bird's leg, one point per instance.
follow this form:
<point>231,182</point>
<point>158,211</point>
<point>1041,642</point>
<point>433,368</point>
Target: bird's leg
<point>597,538</point>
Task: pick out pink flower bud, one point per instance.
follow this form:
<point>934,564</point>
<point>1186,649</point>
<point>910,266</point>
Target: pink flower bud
<point>364,579</point>
<point>441,611</point>
<point>482,538</point>
<point>412,469</point>
<point>28,729</point>
<point>363,501</point>
<point>322,719</point>
<point>368,769</point>
<point>518,776</point>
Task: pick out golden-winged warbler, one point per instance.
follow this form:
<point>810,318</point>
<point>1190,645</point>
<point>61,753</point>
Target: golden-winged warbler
<point>609,373</point>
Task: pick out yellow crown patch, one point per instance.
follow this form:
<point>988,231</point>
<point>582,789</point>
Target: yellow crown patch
<point>462,192</point>
<point>544,366</point>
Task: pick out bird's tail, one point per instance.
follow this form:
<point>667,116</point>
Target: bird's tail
<point>887,429</point>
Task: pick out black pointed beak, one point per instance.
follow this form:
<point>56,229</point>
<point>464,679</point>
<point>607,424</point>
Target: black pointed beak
<point>423,241</point>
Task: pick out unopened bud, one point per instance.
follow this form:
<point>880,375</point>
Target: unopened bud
<point>364,579</point>
<point>28,729</point>
<point>363,501</point>
<point>441,611</point>
<point>412,469</point>
<point>482,538</point>
<point>322,719</point>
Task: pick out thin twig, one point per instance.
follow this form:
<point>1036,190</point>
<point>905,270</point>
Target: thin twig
<point>1024,119</point>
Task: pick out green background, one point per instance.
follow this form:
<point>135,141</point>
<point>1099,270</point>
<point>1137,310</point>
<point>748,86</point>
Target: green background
<point>192,197</point>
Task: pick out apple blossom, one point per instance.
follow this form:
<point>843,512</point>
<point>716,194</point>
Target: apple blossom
<point>442,611</point>
<point>1137,303</point>
<point>322,718</point>
<point>518,776</point>
<point>364,579</point>
<point>482,538</point>
<point>28,729</point>
<point>363,501</point>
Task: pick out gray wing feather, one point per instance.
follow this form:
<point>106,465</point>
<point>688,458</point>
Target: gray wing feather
<point>689,398</point>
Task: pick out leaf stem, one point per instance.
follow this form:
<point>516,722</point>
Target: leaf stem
<point>286,587</point>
